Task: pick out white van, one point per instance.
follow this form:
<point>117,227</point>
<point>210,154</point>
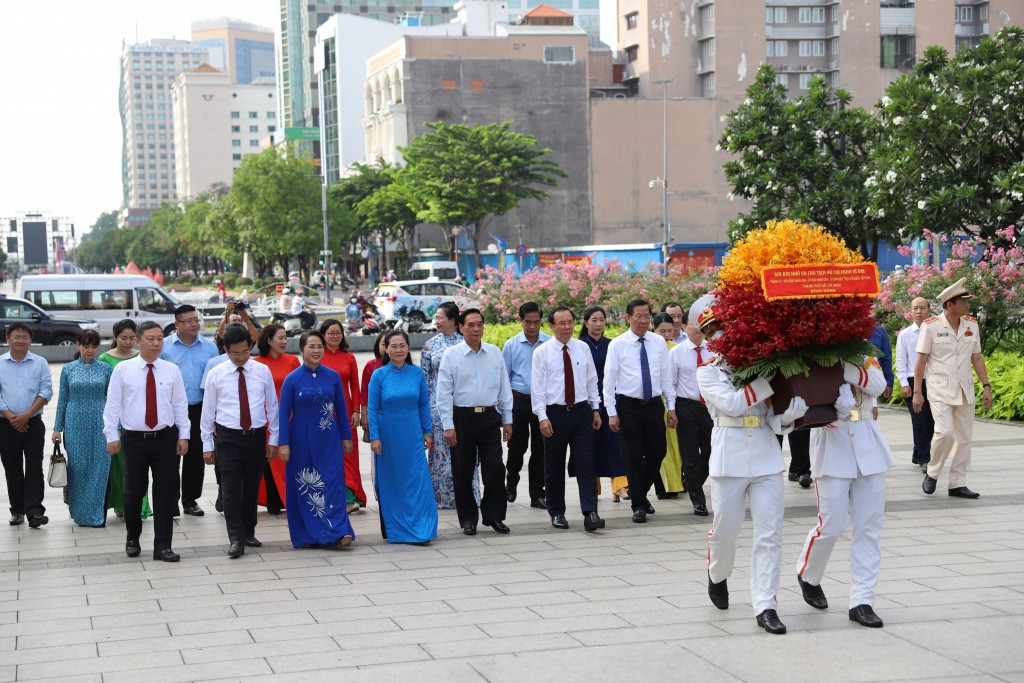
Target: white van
<point>104,298</point>
<point>434,270</point>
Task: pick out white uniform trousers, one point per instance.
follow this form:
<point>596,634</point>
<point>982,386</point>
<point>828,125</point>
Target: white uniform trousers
<point>954,431</point>
<point>840,502</point>
<point>728,497</point>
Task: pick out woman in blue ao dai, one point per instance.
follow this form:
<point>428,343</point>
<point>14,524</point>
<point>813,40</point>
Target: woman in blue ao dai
<point>313,441</point>
<point>83,393</point>
<point>400,431</point>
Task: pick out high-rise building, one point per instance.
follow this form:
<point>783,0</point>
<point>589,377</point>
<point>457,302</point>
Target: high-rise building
<point>36,239</point>
<point>299,95</point>
<point>216,123</point>
<point>244,50</point>
<point>147,156</point>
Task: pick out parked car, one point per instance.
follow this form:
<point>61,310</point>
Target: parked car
<point>418,299</point>
<point>46,329</point>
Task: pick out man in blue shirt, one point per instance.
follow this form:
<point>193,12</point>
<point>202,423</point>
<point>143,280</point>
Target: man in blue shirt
<point>518,354</point>
<point>880,338</point>
<point>190,350</point>
<point>25,389</point>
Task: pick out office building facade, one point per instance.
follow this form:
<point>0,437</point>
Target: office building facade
<point>243,50</point>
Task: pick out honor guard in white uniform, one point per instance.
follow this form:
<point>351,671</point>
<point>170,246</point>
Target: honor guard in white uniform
<point>849,458</point>
<point>746,460</point>
<point>947,347</point>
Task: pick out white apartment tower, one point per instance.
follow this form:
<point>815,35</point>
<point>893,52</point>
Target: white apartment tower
<point>148,71</point>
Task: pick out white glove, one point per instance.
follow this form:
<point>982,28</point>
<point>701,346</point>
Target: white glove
<point>845,402</point>
<point>797,408</point>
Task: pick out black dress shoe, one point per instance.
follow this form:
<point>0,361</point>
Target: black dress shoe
<point>37,521</point>
<point>813,595</point>
<point>805,481</point>
<point>865,616</point>
<point>793,476</point>
<point>769,621</point>
<point>639,516</point>
<point>469,529</point>
<point>132,549</point>
<point>16,520</point>
<point>166,555</point>
<point>959,492</point>
<point>718,592</point>
<point>194,510</point>
<point>236,550</point>
<point>254,542</point>
<point>592,522</point>
<point>219,505</point>
<point>928,485</point>
<point>499,526</point>
<point>700,510</point>
<point>648,508</point>
<point>510,496</point>
<point>559,522</point>
<point>539,503</point>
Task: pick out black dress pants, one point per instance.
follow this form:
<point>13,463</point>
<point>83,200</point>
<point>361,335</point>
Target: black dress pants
<point>525,432</point>
<point>156,451</point>
<point>22,456</point>
<point>923,424</point>
<point>193,467</point>
<point>478,434</point>
<point>642,440</point>
<point>242,457</point>
<point>694,434</point>
<point>799,452</point>
<point>573,430</point>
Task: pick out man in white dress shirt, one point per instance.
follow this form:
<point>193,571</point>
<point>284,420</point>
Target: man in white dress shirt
<point>563,393</point>
<point>906,356</point>
<point>849,459</point>
<point>146,396</point>
<point>746,460</point>
<point>638,385</point>
<point>694,430</point>
<point>239,409</point>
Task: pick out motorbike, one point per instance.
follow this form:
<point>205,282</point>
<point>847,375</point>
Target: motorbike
<point>408,322</point>
<point>367,324</point>
<point>295,324</point>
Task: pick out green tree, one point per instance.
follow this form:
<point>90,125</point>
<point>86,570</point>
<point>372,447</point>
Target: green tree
<point>104,223</point>
<point>361,184</point>
<point>807,159</point>
<point>107,252</point>
<point>155,244</point>
<point>467,175</point>
<point>951,156</point>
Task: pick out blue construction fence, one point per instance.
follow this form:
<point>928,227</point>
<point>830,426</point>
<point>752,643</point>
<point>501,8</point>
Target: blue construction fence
<point>634,257</point>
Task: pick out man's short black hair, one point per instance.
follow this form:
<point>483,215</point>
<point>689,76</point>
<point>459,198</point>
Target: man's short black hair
<point>636,303</point>
<point>19,327</point>
<point>670,304</point>
<point>235,333</point>
<point>149,325</point>
<point>181,310</point>
<point>559,309</point>
<point>529,307</point>
<point>469,311</point>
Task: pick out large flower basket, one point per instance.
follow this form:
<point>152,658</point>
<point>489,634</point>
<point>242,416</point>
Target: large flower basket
<point>819,389</point>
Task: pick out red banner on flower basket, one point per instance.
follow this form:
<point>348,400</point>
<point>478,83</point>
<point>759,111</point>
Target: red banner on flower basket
<point>820,281</point>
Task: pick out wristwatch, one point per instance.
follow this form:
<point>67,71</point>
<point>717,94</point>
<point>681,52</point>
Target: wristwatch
<point>986,384</point>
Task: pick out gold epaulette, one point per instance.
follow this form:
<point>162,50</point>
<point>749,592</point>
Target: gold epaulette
<point>931,319</point>
<point>871,360</point>
<point>971,318</point>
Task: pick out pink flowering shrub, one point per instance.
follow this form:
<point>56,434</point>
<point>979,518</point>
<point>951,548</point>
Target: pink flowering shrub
<point>577,286</point>
<point>995,277</point>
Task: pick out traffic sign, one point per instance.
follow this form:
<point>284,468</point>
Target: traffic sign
<point>521,250</point>
<point>327,252</point>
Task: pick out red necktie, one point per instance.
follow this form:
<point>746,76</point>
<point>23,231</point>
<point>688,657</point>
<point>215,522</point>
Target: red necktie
<point>244,418</point>
<point>151,414</point>
<point>699,361</point>
<point>570,382</point>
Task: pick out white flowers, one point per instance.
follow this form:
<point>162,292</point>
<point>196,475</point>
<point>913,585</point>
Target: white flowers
<point>982,120</point>
<point>775,130</point>
<point>718,148</point>
<point>898,121</point>
<point>1017,195</point>
<point>886,101</point>
<point>848,213</point>
<point>819,135</point>
<point>921,204</point>
<point>732,197</point>
<point>924,115</point>
<point>890,176</point>
<point>880,213</point>
<point>871,181</point>
<point>308,480</point>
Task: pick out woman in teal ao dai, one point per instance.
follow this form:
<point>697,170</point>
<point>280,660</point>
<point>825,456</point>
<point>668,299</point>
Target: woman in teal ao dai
<point>312,443</point>
<point>79,424</point>
<point>400,431</point>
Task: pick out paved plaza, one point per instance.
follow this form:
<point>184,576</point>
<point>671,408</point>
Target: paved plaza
<point>628,603</point>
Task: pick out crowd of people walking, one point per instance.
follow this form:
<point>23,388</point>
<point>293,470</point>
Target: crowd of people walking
<point>652,408</point>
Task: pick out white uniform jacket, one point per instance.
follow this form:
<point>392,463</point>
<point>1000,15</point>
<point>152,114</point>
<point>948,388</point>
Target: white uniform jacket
<point>746,452</point>
<point>949,359</point>
<point>849,448</point>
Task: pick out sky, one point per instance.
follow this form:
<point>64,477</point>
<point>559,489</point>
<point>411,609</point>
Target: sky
<point>59,78</point>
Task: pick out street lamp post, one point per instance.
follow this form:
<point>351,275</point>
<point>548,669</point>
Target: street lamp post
<point>663,180</point>
<point>323,185</point>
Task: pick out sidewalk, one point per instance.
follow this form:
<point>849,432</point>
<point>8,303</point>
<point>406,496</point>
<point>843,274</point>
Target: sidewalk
<point>625,604</point>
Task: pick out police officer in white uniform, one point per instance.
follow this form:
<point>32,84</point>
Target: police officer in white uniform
<point>849,458</point>
<point>947,347</point>
<point>746,460</point>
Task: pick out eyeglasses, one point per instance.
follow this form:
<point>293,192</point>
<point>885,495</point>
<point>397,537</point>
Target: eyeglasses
<point>189,321</point>
<point>239,354</point>
<point>642,318</point>
<point>334,334</point>
<point>398,347</point>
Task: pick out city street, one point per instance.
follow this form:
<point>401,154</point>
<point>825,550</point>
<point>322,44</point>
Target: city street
<point>627,603</point>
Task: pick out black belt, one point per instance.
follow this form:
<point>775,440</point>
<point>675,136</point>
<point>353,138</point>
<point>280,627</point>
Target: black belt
<point>561,406</point>
<point>519,394</point>
<point>475,409</point>
<point>149,435</point>
<point>641,401</point>
<point>243,432</point>
<point>689,400</point>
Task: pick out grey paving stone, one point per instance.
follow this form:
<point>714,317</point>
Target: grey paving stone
<point>976,643</point>
<point>214,624</point>
<point>288,606</point>
<point>33,627</point>
<point>93,665</point>
<point>286,644</point>
<point>379,611</point>
<point>181,643</point>
<point>453,634</point>
<point>490,646</point>
<point>329,629</point>
<point>244,669</point>
<point>536,626</point>
<point>8,673</point>
<point>346,658</point>
<point>445,620</point>
<point>92,635</point>
<point>163,616</point>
